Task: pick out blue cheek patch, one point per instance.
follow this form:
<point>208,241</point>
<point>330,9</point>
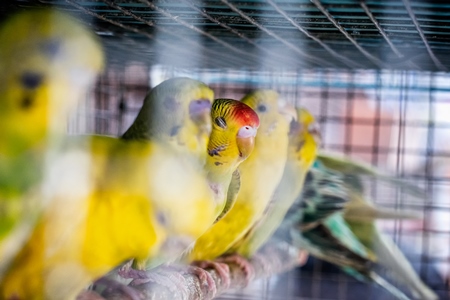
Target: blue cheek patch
<point>199,106</point>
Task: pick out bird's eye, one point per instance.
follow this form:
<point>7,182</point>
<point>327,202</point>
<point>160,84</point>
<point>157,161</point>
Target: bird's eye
<point>246,131</point>
<point>31,80</point>
<point>202,102</point>
<point>220,122</point>
<point>261,108</point>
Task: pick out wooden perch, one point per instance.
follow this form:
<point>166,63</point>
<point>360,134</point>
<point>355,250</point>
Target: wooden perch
<point>181,282</point>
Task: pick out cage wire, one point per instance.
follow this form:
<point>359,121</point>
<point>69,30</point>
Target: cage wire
<point>372,72</point>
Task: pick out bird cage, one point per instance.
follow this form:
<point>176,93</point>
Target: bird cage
<point>373,73</point>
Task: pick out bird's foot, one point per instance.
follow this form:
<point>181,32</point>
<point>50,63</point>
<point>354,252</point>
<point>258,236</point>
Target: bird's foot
<point>222,270</point>
<point>302,257</point>
<point>243,264</point>
<point>164,279</point>
<point>206,284</point>
<point>113,287</point>
<point>162,275</point>
<point>127,271</point>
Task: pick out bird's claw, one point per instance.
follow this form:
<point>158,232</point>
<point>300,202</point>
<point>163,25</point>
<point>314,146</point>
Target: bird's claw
<point>242,263</point>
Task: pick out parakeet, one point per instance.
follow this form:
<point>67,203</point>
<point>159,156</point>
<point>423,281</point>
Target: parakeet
<point>260,175</point>
<point>231,142</point>
<point>355,244</point>
<point>388,254</point>
<point>333,241</point>
<point>48,60</point>
<point>360,214</point>
<point>304,140</point>
<point>176,111</point>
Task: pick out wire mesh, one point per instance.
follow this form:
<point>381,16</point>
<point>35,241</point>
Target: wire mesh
<point>411,35</point>
<point>313,53</point>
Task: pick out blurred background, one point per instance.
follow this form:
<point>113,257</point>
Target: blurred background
<point>374,73</point>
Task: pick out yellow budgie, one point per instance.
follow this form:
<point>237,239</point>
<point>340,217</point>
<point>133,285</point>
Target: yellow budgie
<point>177,111</point>
<point>260,175</point>
<point>47,62</point>
<point>304,140</point>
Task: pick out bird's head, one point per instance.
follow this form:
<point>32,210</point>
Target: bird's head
<point>232,120</point>
<point>305,138</point>
<point>48,60</point>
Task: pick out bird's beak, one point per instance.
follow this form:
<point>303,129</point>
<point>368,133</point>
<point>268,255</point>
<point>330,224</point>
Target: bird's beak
<point>314,130</point>
<point>200,112</point>
<point>287,110</point>
<point>246,141</point>
<point>295,128</point>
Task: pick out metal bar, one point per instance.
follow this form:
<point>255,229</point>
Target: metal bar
<point>372,58</point>
<point>94,14</point>
<point>429,172</point>
<point>436,61</point>
<point>383,33</point>
<point>345,60</point>
<point>178,20</point>
<point>205,14</point>
<point>311,58</point>
<point>151,24</point>
<point>130,28</point>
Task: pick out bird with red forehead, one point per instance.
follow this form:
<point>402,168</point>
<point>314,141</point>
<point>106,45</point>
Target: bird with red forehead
<point>260,175</point>
<point>231,142</point>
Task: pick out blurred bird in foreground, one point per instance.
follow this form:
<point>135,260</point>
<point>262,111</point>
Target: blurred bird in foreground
<point>260,175</point>
<point>48,60</point>
<point>335,222</point>
<point>304,140</point>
